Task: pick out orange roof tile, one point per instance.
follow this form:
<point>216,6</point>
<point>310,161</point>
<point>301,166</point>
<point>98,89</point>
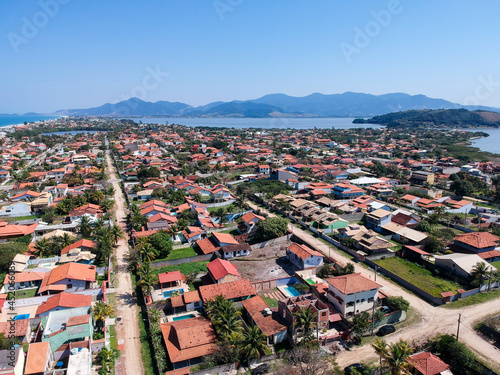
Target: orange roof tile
<point>36,359</point>
<point>353,283</point>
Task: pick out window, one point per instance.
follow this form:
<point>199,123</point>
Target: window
<point>70,286</point>
<point>362,300</point>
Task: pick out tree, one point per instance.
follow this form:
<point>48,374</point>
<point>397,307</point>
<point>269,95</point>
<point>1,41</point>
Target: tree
<point>254,344</point>
<point>433,244</point>
<point>117,233</point>
<point>454,353</point>
<point>48,215</point>
<point>271,228</point>
<point>107,205</point>
<point>147,279</point>
<point>41,247</point>
<point>399,303</point>
<point>360,324</point>
<point>148,252</point>
<point>380,347</point>
<point>462,188</point>
<point>84,227</point>
<point>304,321</point>
<point>396,357</point>
<point>479,273</point>
<point>162,243</point>
<point>101,311</point>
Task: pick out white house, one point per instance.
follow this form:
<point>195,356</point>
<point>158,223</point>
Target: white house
<point>352,294</point>
<point>461,264</point>
<point>303,256</point>
<point>17,209</point>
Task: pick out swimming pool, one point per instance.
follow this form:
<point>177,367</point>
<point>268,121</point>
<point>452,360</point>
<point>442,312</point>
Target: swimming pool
<point>184,317</point>
<point>292,291</point>
<point>169,293</point>
<point>22,316</point>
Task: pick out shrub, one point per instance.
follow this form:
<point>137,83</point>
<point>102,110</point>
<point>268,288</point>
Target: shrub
<point>399,303</point>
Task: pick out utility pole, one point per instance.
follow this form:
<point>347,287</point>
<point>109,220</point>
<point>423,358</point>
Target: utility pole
<point>373,316</point>
<point>458,328</point>
<point>375,272</point>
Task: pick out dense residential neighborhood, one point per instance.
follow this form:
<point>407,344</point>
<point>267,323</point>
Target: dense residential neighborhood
<point>208,250</point>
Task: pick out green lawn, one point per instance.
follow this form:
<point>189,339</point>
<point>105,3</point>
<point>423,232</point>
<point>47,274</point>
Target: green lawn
<point>496,264</point>
<point>271,302</point>
<point>232,232</point>
<point>212,209</point>
<point>25,293</point>
<point>185,268</point>
<point>20,218</point>
<point>418,276</point>
<point>185,252</point>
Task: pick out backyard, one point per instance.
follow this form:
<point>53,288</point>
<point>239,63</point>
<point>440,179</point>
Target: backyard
<point>418,276</point>
<point>185,268</point>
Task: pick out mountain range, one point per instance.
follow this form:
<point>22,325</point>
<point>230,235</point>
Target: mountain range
<point>348,104</point>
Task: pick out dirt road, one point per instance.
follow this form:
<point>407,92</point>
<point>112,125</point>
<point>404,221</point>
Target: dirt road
<point>130,361</point>
<point>432,320</point>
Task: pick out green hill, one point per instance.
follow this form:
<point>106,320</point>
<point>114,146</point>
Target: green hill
<point>456,118</point>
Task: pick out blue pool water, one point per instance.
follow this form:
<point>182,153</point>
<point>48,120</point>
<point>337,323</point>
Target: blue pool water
<point>22,316</point>
<point>169,293</point>
<point>292,291</point>
<point>184,317</point>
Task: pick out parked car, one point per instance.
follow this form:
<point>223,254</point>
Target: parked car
<point>385,309</point>
<point>385,330</point>
<point>354,366</point>
<point>262,369</point>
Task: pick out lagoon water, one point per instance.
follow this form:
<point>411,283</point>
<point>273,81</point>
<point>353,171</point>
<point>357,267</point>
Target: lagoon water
<point>264,123</point>
<point>491,143</point>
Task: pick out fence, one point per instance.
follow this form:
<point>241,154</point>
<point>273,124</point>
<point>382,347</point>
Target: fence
<point>264,285</point>
<point>176,262</point>
<point>353,218</point>
<point>221,204</point>
<point>223,369</point>
<point>273,242</point>
<point>32,262</point>
<point>422,293</point>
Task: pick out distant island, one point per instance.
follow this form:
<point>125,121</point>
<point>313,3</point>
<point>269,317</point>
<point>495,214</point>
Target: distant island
<point>435,118</point>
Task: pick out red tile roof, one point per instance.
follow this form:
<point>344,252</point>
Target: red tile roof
<point>231,290</point>
<point>36,360</point>
<point>225,238</point>
<point>79,244</point>
<point>479,240</point>
<point>63,299</point>
<point>206,246</point>
<point>303,251</point>
<point>188,338</point>
<point>220,268</point>
<point>168,277</point>
<point>353,283</point>
<point>428,364</point>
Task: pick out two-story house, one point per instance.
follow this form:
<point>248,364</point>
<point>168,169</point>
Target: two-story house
<point>303,256</point>
<point>352,294</point>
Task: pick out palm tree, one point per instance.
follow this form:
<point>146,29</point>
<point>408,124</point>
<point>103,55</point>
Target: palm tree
<point>304,320</point>
<point>148,281</point>
<point>42,246</point>
<point>97,196</point>
<point>101,311</point>
<point>380,347</point>
<point>66,240</point>
<point>107,205</point>
<point>148,252</point>
<point>254,344</point>
<point>117,233</point>
<point>197,197</point>
<point>480,273</point>
<point>227,321</point>
<point>84,227</point>
<point>396,357</point>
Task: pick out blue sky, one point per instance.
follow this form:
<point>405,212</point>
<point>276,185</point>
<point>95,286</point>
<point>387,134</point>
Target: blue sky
<point>87,53</point>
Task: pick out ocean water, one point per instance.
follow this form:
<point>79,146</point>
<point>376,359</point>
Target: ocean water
<point>15,120</point>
